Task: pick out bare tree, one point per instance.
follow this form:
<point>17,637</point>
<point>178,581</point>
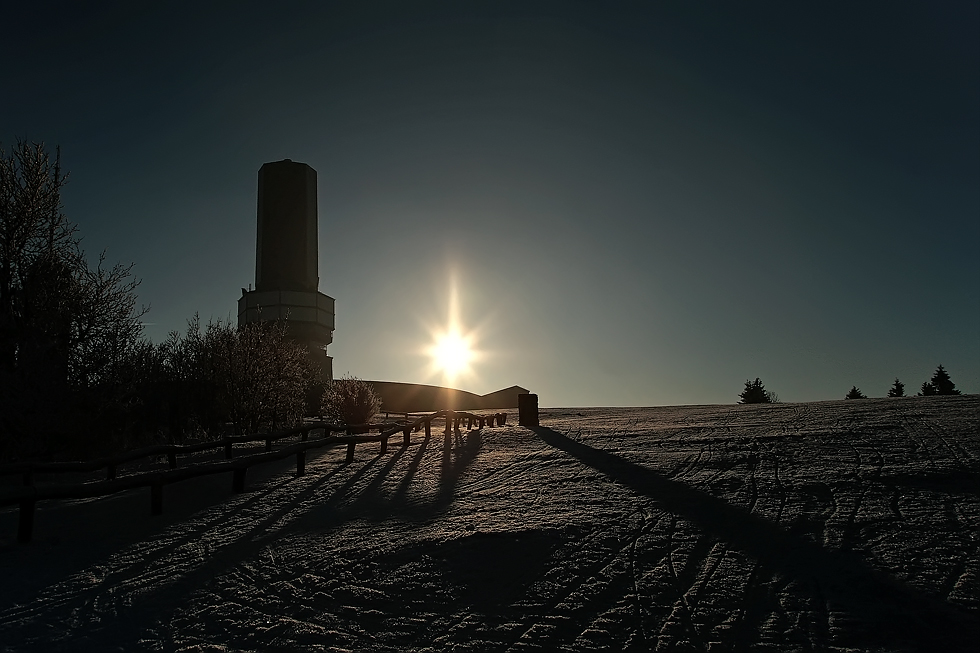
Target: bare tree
<point>70,334</point>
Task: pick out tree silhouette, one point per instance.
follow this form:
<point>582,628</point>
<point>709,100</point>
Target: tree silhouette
<point>71,343</point>
<point>854,393</point>
<point>755,393</point>
<point>928,390</point>
<point>897,389</point>
<point>942,383</point>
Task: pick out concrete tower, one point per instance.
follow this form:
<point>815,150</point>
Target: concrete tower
<point>286,261</point>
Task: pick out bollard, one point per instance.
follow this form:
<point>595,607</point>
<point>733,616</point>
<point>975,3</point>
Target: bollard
<point>238,480</point>
<point>501,418</point>
<point>156,499</point>
<point>25,527</point>
<point>300,463</point>
<point>527,409</point>
<point>428,428</point>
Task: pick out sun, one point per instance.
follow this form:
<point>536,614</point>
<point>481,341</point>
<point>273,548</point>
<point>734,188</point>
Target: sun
<point>451,353</point>
<point>452,350</point>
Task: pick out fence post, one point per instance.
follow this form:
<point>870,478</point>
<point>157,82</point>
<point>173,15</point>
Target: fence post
<point>384,444</point>
<point>268,444</point>
<point>490,419</point>
<point>228,450</point>
<point>172,459</point>
<point>527,409</point>
<point>501,418</point>
<point>447,437</point>
<point>156,498</point>
<point>25,527</point>
<point>428,428</point>
<point>350,452</point>
<point>110,472</point>
<point>300,463</point>
<point>406,436</point>
<point>238,481</point>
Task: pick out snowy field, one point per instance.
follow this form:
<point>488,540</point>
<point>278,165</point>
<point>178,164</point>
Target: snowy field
<point>791,527</point>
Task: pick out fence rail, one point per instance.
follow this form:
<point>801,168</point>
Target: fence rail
<point>28,494</point>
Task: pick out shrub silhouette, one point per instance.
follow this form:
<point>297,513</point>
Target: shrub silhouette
<point>854,393</point>
<point>756,393</point>
<point>897,389</point>
<point>350,400</point>
<point>253,376</point>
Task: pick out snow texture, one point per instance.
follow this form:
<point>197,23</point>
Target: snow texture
<point>834,526</point>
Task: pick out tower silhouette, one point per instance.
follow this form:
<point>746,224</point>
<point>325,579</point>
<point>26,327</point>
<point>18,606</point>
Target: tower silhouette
<point>286,280</point>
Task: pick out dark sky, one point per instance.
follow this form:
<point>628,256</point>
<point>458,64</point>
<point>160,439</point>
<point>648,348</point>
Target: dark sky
<point>638,203</point>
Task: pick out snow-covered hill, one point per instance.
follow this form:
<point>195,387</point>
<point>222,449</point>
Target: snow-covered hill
<point>824,526</point>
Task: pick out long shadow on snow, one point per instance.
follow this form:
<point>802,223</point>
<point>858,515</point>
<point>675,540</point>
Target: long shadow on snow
<point>143,611</point>
<point>133,621</point>
<point>889,609</point>
<point>373,503</point>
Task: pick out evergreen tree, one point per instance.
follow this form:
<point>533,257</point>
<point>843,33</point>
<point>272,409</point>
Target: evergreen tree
<point>755,393</point>
<point>927,390</point>
<point>854,393</point>
<point>942,383</point>
<point>897,389</point>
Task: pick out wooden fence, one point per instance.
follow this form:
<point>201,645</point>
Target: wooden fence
<point>28,494</point>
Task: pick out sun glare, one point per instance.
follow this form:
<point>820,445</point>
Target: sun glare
<point>452,349</point>
<point>451,353</point>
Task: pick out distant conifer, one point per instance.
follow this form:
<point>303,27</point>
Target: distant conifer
<point>854,393</point>
<point>928,390</point>
<point>897,389</point>
<point>942,383</point>
<point>755,393</point>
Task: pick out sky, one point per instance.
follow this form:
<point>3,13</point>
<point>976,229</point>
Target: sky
<point>628,204</point>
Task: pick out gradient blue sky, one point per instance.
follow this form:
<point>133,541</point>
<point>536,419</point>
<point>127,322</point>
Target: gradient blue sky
<point>640,203</point>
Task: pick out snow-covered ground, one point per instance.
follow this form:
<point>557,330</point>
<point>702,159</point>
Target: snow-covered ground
<point>825,526</point>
